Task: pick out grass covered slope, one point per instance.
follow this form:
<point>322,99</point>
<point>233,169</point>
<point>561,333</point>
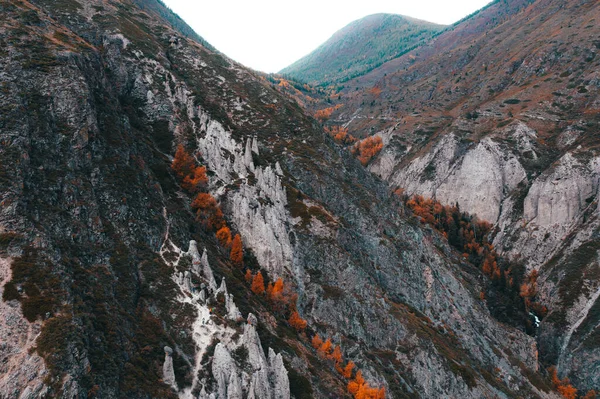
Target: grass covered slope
<point>361,46</point>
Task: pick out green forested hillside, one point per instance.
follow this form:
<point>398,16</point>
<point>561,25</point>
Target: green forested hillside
<point>361,46</point>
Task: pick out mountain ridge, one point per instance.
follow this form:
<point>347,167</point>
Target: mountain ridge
<point>377,38</point>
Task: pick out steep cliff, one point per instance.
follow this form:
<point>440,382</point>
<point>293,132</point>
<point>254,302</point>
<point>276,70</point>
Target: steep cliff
<point>113,289</point>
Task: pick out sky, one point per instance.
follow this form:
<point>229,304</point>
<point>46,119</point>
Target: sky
<point>268,35</point>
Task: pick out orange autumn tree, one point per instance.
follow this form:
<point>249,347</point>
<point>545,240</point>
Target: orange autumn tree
<point>347,371</point>
<point>207,211</point>
<point>366,149</point>
<point>224,236</point>
<point>316,341</point>
<point>193,176</point>
<point>336,355</point>
<point>297,322</point>
<point>258,284</point>
<point>237,253</point>
<point>325,348</point>
<point>248,276</point>
<point>324,114</point>
<point>340,135</point>
<point>563,386</point>
<point>361,389</point>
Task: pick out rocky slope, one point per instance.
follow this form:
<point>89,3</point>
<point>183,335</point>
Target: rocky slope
<point>361,46</point>
<point>110,287</point>
<point>500,115</point>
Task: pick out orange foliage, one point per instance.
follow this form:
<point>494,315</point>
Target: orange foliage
<point>324,114</point>
<point>325,348</point>
<point>248,276</point>
<point>464,232</point>
<point>357,386</point>
<point>258,284</point>
<point>316,341</point>
<point>563,386</point>
<point>366,149</point>
<point>277,291</point>
<point>340,135</point>
<point>347,372</point>
<point>183,162</point>
<point>336,355</point>
<point>237,252</point>
<point>361,389</point>
<point>224,236</point>
<point>193,177</point>
<point>195,180</point>
<point>528,292</point>
<point>297,322</point>
<point>590,395</point>
<point>207,211</point>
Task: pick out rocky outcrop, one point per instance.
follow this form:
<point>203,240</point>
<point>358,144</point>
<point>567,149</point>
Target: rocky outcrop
<point>257,207</point>
<point>168,372</point>
<point>478,178</point>
<point>268,379</point>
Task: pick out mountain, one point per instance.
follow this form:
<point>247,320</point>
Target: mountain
<point>361,46</point>
<point>500,115</point>
<point>172,226</point>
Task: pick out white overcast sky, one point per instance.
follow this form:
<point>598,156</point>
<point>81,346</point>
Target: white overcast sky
<point>269,35</point>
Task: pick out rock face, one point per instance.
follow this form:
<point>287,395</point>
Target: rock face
<point>546,220</point>
<point>499,115</point>
<point>168,372</point>
<point>99,223</point>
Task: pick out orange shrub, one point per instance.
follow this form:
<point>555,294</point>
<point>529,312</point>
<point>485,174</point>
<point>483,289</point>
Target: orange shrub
<point>340,135</point>
<point>324,114</point>
<point>366,149</point>
<point>237,252</point>
<point>258,284</point>
<point>207,211</point>
<point>297,322</point>
<point>193,177</point>
<point>563,386</point>
<point>224,236</point>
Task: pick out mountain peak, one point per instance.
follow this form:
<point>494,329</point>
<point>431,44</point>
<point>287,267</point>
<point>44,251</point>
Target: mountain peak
<point>360,46</point>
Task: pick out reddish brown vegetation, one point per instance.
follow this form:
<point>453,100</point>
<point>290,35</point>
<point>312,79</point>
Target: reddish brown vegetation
<point>193,179</point>
<point>283,300</point>
<point>297,322</point>
<point>361,389</point>
<point>258,284</point>
<point>471,237</point>
<point>224,237</point>
<point>340,135</point>
<point>463,231</point>
<point>208,212</point>
<point>528,292</point>
<point>237,252</point>
<point>357,386</point>
<point>192,176</point>
<point>562,386</point>
<point>324,114</point>
<point>248,276</point>
<point>366,149</point>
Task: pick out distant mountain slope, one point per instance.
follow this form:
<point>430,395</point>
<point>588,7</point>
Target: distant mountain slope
<point>361,46</point>
<point>501,114</point>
